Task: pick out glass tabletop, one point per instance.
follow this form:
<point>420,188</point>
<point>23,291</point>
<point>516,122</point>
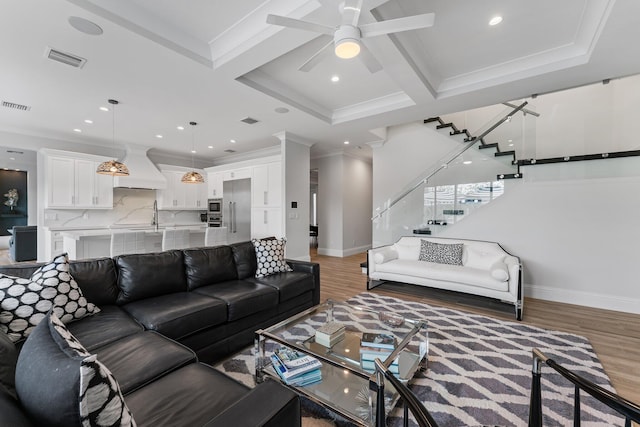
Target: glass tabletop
<point>344,387</point>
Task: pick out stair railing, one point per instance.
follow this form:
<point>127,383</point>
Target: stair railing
<point>624,407</point>
<point>444,163</point>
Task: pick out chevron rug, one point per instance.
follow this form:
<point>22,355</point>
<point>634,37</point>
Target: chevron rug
<point>479,369</point>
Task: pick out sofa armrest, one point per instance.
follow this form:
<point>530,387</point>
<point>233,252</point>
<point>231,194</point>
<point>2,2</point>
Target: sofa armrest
<point>269,404</point>
<point>380,255</point>
<point>312,268</point>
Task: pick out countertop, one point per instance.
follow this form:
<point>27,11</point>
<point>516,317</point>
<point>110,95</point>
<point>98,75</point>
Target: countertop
<point>137,226</point>
<point>106,232</point>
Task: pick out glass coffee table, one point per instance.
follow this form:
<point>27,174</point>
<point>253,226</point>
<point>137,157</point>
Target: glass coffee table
<point>344,388</point>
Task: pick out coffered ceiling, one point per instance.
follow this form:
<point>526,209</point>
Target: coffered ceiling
<point>217,62</point>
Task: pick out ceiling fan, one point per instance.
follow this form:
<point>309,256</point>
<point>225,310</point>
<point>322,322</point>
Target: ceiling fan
<point>347,36</point>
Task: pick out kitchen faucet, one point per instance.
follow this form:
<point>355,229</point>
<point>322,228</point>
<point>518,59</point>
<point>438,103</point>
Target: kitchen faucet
<point>154,221</point>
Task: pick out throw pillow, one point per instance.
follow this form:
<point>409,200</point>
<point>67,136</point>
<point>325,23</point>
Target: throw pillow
<point>441,253</point>
<point>476,258</point>
<point>499,271</point>
<point>25,302</point>
<point>60,384</point>
<point>270,256</point>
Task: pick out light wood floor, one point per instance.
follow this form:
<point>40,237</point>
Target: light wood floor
<point>615,336</point>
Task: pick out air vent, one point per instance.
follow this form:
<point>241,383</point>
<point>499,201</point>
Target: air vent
<point>229,151</point>
<point>65,58</point>
<point>16,106</point>
<point>15,152</point>
<point>249,120</point>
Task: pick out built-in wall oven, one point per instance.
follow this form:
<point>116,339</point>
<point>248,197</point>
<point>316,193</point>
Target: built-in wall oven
<point>214,214</point>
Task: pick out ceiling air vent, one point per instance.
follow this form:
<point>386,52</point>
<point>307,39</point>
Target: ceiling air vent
<point>229,151</point>
<point>65,58</point>
<point>249,120</point>
<point>16,106</point>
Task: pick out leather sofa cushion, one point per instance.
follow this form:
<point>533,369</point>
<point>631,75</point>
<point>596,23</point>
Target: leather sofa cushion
<point>244,255</point>
<point>143,357</point>
<point>97,278</point>
<point>242,298</point>
<point>206,266</point>
<point>289,284</point>
<point>8,359</point>
<point>178,315</point>
<point>110,324</point>
<point>190,396</point>
<point>12,413</point>
<point>142,276</point>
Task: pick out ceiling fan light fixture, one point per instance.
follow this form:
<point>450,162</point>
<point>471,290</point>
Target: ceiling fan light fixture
<point>346,42</point>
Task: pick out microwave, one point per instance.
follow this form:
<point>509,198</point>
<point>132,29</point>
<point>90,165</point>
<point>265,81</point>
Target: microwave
<point>215,205</point>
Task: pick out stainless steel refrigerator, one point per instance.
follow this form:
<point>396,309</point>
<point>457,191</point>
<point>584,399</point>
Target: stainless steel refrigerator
<point>236,214</point>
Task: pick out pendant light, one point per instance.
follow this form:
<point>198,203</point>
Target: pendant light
<point>113,167</point>
<point>193,177</point>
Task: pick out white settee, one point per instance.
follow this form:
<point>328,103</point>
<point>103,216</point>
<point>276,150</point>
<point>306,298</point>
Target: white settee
<point>486,268</point>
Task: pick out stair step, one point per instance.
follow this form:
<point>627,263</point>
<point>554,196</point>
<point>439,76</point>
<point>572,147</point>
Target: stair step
<point>445,125</point>
<point>458,132</point>
<point>509,176</point>
<point>432,119</point>
<point>492,145</point>
<point>506,153</point>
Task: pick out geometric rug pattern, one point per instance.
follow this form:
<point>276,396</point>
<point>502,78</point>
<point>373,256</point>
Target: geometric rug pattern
<point>479,369</point>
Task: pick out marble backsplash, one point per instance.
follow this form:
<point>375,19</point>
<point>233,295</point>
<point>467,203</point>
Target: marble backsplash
<point>130,206</point>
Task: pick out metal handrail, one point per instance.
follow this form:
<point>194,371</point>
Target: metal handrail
<point>627,408</point>
<point>411,402</point>
<point>445,164</point>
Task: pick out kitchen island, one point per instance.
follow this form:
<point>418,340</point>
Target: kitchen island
<point>95,243</point>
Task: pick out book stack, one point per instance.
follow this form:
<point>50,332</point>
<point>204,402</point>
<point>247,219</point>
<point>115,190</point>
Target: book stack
<point>330,333</point>
<point>295,368</point>
<point>377,346</point>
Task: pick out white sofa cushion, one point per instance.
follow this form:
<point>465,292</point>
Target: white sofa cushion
<point>408,249</point>
<point>385,255</point>
<point>481,259</point>
<point>443,272</point>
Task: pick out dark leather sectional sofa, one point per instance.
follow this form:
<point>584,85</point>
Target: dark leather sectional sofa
<point>162,315</point>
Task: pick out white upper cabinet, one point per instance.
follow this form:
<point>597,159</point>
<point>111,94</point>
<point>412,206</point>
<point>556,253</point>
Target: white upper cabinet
<point>181,196</point>
<point>72,183</point>
<point>214,184</point>
<point>266,185</point>
<point>240,173</point>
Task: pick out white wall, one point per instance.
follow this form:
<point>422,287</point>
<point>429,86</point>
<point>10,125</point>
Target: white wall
<point>296,166</point>
<point>344,205</point>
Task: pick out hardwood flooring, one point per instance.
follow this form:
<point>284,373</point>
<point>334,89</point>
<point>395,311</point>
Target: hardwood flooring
<point>615,336</point>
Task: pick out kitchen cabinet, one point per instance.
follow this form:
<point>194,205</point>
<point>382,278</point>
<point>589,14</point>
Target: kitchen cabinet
<point>266,222</point>
<point>181,196</point>
<point>214,183</point>
<point>72,183</point>
<point>266,185</point>
<point>240,173</point>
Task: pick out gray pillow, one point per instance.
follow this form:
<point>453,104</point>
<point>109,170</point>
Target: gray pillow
<point>441,253</point>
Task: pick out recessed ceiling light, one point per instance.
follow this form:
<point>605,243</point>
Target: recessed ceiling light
<point>180,127</point>
<point>510,140</point>
<point>193,151</point>
<point>77,130</point>
<point>281,110</point>
<point>233,141</point>
<point>510,145</point>
<point>495,20</point>
<point>89,122</point>
<point>159,136</point>
<point>467,162</point>
<point>85,26</point>
<point>346,143</point>
<point>104,109</point>
<point>335,79</point>
<point>211,146</point>
<point>12,158</point>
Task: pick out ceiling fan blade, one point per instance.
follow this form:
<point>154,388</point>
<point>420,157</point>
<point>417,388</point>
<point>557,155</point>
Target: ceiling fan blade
<point>299,24</point>
<point>397,25</point>
<point>369,60</point>
<point>351,12</point>
<point>317,57</point>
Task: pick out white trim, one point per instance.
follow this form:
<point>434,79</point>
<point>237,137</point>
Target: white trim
<point>341,253</point>
<point>588,299</point>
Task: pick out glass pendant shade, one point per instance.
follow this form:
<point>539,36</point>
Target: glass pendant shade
<point>113,167</point>
<point>193,177</point>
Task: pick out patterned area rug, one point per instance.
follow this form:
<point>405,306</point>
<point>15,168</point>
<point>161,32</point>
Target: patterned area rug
<point>479,369</point>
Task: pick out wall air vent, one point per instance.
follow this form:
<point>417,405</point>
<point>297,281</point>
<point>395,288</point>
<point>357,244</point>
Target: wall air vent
<point>229,151</point>
<point>16,106</point>
<point>15,152</point>
<point>65,58</point>
<point>249,120</point>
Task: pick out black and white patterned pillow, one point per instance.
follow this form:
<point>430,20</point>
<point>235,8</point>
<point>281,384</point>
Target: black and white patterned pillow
<point>441,253</point>
<point>92,396</point>
<point>270,256</point>
<point>25,302</point>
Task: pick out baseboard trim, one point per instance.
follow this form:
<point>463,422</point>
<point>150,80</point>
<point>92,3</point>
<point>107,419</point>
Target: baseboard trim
<point>588,299</point>
<point>341,253</point>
